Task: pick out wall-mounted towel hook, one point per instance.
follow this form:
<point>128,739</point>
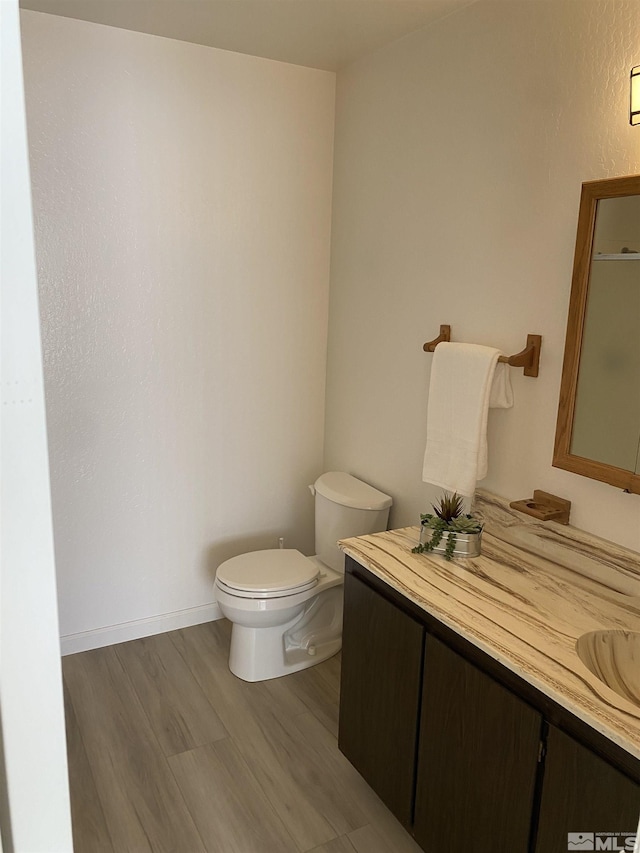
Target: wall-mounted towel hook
<point>445,335</point>
<point>528,358</point>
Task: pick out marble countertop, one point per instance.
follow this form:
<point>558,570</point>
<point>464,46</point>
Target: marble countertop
<point>535,588</point>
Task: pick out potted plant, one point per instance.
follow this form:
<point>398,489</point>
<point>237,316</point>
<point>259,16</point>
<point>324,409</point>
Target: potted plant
<point>450,531</point>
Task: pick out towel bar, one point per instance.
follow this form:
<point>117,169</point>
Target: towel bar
<point>529,357</point>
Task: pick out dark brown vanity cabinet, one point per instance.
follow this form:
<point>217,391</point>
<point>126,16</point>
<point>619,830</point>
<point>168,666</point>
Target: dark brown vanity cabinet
<point>381,675</point>
<point>469,757</point>
<point>477,759</point>
<point>581,793</point>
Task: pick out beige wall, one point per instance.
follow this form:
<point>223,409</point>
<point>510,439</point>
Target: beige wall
<point>182,198</point>
<point>459,155</point>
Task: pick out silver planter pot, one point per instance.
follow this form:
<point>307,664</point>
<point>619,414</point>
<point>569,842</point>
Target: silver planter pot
<point>467,544</point>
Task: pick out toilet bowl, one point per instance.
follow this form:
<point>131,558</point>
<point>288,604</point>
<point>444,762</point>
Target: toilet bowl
<point>285,608</point>
<point>280,630</point>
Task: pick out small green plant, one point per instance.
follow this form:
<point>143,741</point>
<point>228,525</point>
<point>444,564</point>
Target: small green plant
<point>449,518</point>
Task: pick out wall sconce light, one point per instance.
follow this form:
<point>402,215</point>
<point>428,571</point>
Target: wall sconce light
<point>634,99</point>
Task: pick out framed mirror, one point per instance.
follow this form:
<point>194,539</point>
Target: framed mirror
<point>598,427</point>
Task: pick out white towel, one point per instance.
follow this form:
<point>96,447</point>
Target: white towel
<point>501,391</point>
<point>459,393</point>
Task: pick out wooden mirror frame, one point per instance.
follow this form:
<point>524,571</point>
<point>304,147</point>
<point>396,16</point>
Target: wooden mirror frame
<point>592,193</point>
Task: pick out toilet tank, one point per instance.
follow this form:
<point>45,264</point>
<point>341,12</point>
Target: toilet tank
<point>345,506</point>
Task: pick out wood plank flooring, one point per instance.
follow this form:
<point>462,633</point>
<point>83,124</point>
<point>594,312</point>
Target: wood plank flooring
<point>171,753</point>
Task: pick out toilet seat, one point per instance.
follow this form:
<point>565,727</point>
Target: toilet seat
<point>267,574</point>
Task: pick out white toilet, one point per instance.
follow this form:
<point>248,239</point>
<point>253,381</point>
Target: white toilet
<point>286,608</point>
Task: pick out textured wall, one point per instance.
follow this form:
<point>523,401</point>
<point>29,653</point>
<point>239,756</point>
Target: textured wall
<point>182,201</point>
<point>459,156</point>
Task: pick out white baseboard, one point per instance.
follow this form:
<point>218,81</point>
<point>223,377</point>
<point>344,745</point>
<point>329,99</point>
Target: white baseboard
<point>111,634</point>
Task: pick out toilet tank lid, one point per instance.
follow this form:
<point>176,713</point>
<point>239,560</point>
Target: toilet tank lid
<point>346,490</point>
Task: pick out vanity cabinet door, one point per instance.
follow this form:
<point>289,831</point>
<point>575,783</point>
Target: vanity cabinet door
<point>582,793</point>
<point>380,693</point>
<point>477,760</point>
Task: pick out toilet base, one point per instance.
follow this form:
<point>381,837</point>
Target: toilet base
<point>259,654</point>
